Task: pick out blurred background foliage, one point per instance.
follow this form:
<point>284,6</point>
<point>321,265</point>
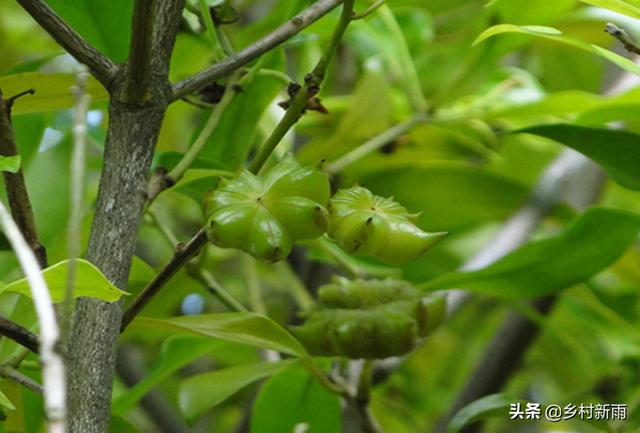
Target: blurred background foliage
<point>463,170</point>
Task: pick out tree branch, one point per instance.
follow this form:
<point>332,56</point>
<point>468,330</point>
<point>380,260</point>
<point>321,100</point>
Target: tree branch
<point>182,255</point>
<point>140,51</point>
<point>102,68</point>
<point>11,373</point>
<point>622,35</point>
<point>20,335</point>
<point>272,40</point>
<point>15,185</point>
<point>310,88</point>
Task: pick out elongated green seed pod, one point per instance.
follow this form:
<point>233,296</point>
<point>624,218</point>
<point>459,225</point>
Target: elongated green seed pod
<point>366,224</point>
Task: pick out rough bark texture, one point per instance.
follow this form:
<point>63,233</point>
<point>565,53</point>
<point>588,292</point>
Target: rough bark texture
<point>133,132</point>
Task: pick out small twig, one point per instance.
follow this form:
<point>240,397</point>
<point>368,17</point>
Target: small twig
<point>11,373</point>
<point>361,399</point>
<point>19,334</point>
<point>15,185</point>
<point>78,158</point>
<point>11,100</point>
<point>368,11</point>
<point>310,89</point>
<point>622,35</point>
<point>375,143</point>
<point>182,255</point>
<point>102,68</point>
<point>53,369</point>
<point>218,291</point>
<point>267,43</point>
<point>205,16</point>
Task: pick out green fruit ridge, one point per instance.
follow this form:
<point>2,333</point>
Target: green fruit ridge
<point>265,215</point>
<point>369,319</point>
<point>366,224</point>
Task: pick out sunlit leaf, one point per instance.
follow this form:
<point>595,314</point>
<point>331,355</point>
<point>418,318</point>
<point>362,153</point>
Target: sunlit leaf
<point>556,35</point>
<point>5,402</point>
<point>52,91</point>
<point>89,282</point>
<point>10,163</point>
<point>590,244</point>
<point>630,8</point>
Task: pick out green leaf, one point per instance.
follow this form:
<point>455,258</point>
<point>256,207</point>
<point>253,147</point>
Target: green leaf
<point>121,425</point>
<point>175,353</point>
<point>293,397</point>
<point>246,328</point>
<point>556,35</point>
<point>5,402</point>
<point>201,392</point>
<point>90,282</point>
<point>53,91</point>
<point>440,188</point>
<point>616,150</point>
<point>630,8</point>
<point>10,163</point>
<point>600,234</point>
<point>485,407</point>
<point>106,24</point>
<point>233,138</point>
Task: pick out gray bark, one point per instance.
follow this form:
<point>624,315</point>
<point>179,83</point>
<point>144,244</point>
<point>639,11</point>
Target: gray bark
<point>133,132</point>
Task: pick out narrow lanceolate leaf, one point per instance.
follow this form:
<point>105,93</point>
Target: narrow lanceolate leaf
<point>590,244</point>
<point>90,282</point>
<point>556,35</point>
<point>10,163</point>
<point>483,408</point>
<point>201,392</point>
<point>630,8</point>
<point>5,402</point>
<point>246,328</point>
<point>617,151</point>
<point>52,91</point>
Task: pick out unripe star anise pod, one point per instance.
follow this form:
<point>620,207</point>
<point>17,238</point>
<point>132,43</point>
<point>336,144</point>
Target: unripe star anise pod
<point>265,215</point>
<point>371,319</point>
<point>365,224</point>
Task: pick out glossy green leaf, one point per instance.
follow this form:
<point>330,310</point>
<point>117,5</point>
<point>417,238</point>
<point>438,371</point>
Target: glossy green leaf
<point>485,407</point>
<point>616,150</point>
<point>52,91</point>
<point>10,163</point>
<point>447,194</point>
<point>201,392</point>
<point>90,282</point>
<point>106,24</point>
<point>591,243</point>
<point>293,397</point>
<point>5,402</point>
<point>630,8</point>
<point>247,328</point>
<point>556,35</point>
<point>175,353</point>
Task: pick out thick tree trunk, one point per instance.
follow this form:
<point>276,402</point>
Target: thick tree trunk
<point>134,126</point>
<point>133,132</point>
